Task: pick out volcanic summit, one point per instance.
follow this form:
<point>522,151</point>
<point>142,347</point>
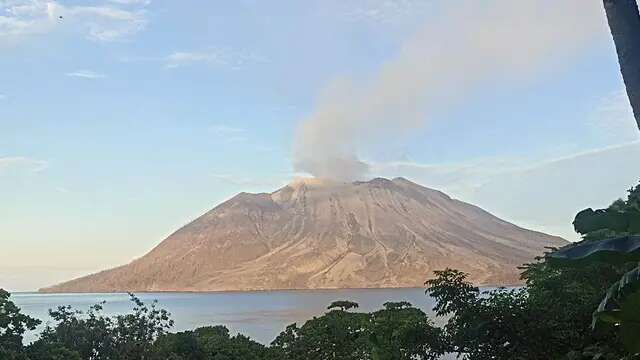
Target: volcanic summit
<point>314,234</point>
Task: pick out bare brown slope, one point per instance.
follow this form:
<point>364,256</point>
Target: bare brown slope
<point>322,234</point>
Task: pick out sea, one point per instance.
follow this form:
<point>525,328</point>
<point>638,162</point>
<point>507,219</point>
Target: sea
<point>261,315</point>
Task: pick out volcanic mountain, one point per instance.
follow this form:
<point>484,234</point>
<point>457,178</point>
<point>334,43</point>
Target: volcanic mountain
<point>315,234</point>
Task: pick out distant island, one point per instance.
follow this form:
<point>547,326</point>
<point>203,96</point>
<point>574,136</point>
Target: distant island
<point>314,234</point>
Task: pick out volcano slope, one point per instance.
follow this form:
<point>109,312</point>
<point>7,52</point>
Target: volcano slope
<point>314,234</point>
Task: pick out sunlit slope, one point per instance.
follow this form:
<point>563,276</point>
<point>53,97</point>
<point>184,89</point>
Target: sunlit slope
<point>323,234</point>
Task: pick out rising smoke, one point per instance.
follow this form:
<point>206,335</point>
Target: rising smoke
<point>471,44</point>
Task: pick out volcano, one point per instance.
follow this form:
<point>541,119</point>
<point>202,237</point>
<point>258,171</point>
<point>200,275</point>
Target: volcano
<point>318,234</point>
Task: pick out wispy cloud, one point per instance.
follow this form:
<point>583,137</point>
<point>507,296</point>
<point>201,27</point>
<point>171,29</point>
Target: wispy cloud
<point>131,2</point>
<point>389,11</point>
<point>107,21</point>
<point>86,74</point>
<point>21,163</point>
<point>218,56</point>
<point>223,57</point>
<point>226,130</point>
<point>3,97</point>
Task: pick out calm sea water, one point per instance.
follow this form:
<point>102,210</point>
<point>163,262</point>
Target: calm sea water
<point>260,315</point>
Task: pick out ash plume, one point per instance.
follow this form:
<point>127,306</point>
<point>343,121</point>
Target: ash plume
<point>467,46</point>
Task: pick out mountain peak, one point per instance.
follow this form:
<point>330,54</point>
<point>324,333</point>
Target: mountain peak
<point>318,233</point>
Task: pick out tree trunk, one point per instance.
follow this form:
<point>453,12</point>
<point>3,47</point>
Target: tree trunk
<point>624,22</point>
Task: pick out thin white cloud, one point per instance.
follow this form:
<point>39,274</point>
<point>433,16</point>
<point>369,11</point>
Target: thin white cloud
<point>219,56</point>
<point>182,58</point>
<point>3,97</point>
<point>225,130</point>
<point>86,74</point>
<point>108,23</point>
<point>21,164</point>
<point>132,2</point>
<point>103,22</point>
<point>389,11</point>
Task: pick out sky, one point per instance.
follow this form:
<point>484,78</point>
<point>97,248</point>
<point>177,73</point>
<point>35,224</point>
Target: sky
<point>122,120</point>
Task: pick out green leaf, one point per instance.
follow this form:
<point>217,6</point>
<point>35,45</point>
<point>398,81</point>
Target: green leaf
<point>609,316</point>
<point>621,306</point>
<point>589,220</point>
<point>630,324</point>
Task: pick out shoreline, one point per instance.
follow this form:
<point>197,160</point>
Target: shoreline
<point>481,286</point>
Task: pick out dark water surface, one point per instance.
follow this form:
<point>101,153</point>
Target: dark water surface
<point>260,315</point>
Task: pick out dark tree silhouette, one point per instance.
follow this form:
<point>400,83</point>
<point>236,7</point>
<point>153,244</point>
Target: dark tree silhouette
<point>624,22</point>
<point>343,305</point>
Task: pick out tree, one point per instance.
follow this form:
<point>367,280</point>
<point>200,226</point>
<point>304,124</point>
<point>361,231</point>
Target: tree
<point>95,336</point>
<point>210,342</point>
<point>51,351</point>
<point>343,305</point>
<point>402,332</point>
<point>624,22</point>
<point>551,318</point>
<point>621,305</point>
<point>398,332</point>
<point>498,324</point>
<point>335,335</point>
<point>13,325</point>
<point>621,218</point>
<point>135,333</point>
<point>548,319</point>
<point>451,290</point>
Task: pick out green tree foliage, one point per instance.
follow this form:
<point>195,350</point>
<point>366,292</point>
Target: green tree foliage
<point>493,325</point>
<point>13,325</point>
<point>212,342</point>
<point>336,335</point>
<point>621,306</point>
<point>51,351</point>
<point>621,218</point>
<point>550,318</point>
<point>343,305</point>
<point>402,332</point>
<point>92,335</point>
<point>564,297</point>
<point>399,332</point>
<point>451,290</point>
<point>520,323</point>
<point>612,242</point>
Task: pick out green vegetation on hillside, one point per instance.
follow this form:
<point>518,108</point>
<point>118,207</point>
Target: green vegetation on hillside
<point>579,302</point>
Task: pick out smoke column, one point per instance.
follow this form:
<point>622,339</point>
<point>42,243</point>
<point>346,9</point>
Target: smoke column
<point>467,46</point>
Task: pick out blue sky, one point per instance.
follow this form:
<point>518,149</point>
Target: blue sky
<point>125,119</point>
